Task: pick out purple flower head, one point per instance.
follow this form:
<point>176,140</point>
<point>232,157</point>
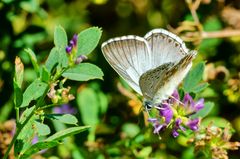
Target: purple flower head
<point>193,124</point>
<point>80,59</point>
<point>166,112</point>
<point>64,109</point>
<point>72,44</point>
<point>74,40</point>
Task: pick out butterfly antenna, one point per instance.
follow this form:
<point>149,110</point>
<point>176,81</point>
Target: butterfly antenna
<point>177,100</point>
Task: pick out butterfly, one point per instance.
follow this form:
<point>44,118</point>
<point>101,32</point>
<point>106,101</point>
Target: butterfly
<point>153,65</point>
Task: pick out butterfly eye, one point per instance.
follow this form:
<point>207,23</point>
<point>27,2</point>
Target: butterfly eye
<point>148,105</point>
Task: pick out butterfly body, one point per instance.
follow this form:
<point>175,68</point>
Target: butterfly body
<point>153,65</point>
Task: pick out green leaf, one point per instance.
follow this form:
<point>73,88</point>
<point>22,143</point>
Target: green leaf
<point>33,92</point>
<point>83,72</point>
<point>60,37</point>
<point>87,101</point>
<point>19,71</point>
<point>26,113</point>
<point>88,40</point>
<point>198,88</point>
<point>18,96</point>
<point>42,129</point>
<point>25,137</point>
<point>193,77</point>
<point>103,102</point>
<point>33,59</point>
<point>63,118</point>
<point>217,121</point>
<point>67,132</point>
<point>63,57</point>
<point>208,106</point>
<point>38,147</point>
<point>45,75</point>
<point>52,59</point>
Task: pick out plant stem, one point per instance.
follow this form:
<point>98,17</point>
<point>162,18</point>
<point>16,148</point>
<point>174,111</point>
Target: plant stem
<point>17,115</point>
<point>17,133</point>
<point>21,126</point>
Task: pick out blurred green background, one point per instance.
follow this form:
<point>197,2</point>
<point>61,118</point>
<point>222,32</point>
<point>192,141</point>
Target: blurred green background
<point>118,130</point>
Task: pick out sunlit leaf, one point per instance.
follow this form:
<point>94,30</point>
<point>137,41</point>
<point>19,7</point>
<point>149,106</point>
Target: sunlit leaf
<point>52,59</point>
<point>63,118</point>
<point>208,106</point>
<point>33,59</point>
<point>67,132</point>
<point>88,105</point>
<point>193,77</point>
<point>42,129</point>
<point>88,40</point>
<point>60,37</point>
<point>83,72</point>
<point>33,92</point>
<point>38,147</point>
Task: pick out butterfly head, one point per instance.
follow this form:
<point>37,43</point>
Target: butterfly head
<point>147,104</point>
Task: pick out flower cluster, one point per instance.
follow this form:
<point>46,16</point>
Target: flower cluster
<point>71,50</point>
<point>175,114</point>
<point>61,95</point>
<point>214,141</point>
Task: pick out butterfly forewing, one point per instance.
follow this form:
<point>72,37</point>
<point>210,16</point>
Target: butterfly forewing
<point>129,56</point>
<point>165,47</point>
<point>150,79</point>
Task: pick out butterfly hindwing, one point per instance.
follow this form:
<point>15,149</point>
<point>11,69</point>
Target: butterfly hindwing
<point>150,79</point>
<point>172,77</point>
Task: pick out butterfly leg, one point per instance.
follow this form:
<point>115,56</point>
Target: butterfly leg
<point>177,100</point>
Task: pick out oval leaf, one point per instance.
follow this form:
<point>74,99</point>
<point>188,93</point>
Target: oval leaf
<point>63,118</point>
<point>88,103</point>
<point>38,147</point>
<point>60,37</point>
<point>33,91</point>
<point>67,132</point>
<point>88,40</point>
<point>52,59</point>
<point>208,106</point>
<point>193,77</point>
<point>33,59</point>
<point>83,72</point>
<point>42,129</point>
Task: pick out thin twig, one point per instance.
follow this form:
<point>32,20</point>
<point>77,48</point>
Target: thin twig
<point>220,34</point>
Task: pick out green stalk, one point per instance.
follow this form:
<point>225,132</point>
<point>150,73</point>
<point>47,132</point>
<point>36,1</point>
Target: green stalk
<point>21,126</point>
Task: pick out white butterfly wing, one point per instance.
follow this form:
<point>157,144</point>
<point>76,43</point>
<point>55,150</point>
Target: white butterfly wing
<point>165,47</point>
<point>129,56</point>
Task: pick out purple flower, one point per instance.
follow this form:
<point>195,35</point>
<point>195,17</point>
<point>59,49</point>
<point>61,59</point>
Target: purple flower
<point>166,112</point>
<point>193,124</point>
<point>72,44</point>
<point>187,99</point>
<point>69,49</point>
<point>177,126</point>
<point>35,139</point>
<point>64,109</point>
<point>176,95</point>
<point>157,126</point>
